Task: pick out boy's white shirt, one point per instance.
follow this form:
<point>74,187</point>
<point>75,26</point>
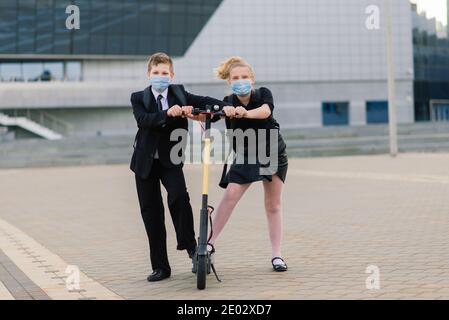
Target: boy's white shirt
<point>164,102</point>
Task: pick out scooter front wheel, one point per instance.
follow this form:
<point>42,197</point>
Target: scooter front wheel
<point>201,272</point>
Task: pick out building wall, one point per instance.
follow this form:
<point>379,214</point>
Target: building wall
<point>115,71</point>
<point>87,94</point>
<point>301,40</point>
<point>306,51</point>
<point>97,121</point>
<point>298,104</point>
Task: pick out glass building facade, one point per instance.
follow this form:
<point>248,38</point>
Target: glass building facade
<point>107,27</point>
<point>431,73</point>
<point>431,63</point>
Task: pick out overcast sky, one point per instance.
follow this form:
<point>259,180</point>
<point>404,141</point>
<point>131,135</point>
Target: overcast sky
<point>433,8</point>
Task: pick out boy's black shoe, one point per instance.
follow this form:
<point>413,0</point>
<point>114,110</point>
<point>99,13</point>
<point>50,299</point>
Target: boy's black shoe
<point>158,275</point>
<point>191,252</point>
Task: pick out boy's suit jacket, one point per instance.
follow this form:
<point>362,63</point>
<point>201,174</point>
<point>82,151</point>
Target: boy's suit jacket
<point>155,127</point>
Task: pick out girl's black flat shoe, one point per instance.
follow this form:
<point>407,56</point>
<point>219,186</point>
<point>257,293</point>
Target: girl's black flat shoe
<point>279,267</point>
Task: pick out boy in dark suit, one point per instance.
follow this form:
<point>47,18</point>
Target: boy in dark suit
<point>159,110</point>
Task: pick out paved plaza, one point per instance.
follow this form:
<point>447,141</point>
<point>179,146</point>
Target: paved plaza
<point>345,218</point>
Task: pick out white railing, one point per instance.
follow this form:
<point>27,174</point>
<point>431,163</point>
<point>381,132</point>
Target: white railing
<point>44,119</point>
<point>30,126</point>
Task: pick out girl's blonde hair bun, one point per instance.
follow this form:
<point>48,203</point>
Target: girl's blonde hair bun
<point>224,69</point>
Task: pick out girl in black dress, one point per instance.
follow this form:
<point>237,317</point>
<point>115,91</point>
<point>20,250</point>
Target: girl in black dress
<point>251,109</point>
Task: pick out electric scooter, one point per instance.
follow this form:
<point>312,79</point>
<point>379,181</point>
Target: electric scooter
<point>202,261</point>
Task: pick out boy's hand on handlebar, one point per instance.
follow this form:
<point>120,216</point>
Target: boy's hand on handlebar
<point>229,111</point>
<point>240,112</point>
<point>187,111</point>
<point>175,111</point>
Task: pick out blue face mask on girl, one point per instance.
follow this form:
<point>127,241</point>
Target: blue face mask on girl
<point>160,83</point>
<point>241,87</point>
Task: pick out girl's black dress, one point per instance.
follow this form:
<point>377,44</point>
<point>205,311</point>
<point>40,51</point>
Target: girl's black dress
<point>251,167</point>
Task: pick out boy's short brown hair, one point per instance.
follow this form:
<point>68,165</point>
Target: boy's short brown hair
<point>160,57</point>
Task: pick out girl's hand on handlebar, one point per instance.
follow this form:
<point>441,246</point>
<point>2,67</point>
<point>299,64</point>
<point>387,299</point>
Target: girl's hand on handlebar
<point>229,111</point>
<point>240,112</point>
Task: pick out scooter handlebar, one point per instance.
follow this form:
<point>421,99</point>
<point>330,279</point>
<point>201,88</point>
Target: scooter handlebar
<point>210,110</point>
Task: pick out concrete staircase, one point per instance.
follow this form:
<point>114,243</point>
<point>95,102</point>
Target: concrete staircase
<point>3,133</point>
<point>341,141</point>
<point>312,142</point>
<point>29,126</point>
<point>71,151</point>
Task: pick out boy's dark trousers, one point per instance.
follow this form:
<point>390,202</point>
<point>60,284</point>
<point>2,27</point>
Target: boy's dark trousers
<point>152,210</point>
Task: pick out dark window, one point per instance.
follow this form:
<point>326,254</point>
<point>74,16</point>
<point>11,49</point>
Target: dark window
<point>11,71</point>
<point>73,70</point>
<point>54,69</point>
<point>335,113</point>
<point>80,44</point>
<point>8,42</point>
<point>32,70</point>
<point>376,112</point>
<point>41,71</point>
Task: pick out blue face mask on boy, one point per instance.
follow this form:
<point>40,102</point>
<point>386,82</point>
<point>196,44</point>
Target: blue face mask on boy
<point>160,83</point>
<point>241,87</point>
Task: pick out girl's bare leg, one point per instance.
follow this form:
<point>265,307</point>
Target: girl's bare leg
<point>233,194</point>
<point>273,208</point>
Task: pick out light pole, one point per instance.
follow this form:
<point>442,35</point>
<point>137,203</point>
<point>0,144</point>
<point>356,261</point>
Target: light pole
<point>392,120</point>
